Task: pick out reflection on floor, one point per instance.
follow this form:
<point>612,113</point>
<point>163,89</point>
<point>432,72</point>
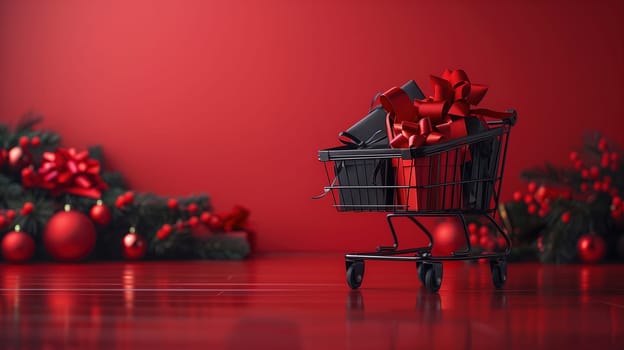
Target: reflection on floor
<point>303,302</point>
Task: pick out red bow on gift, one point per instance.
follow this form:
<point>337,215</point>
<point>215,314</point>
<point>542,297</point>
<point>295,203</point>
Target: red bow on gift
<point>67,171</point>
<point>439,117</point>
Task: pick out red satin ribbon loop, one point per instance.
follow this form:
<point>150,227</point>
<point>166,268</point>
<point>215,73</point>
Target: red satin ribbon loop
<point>440,117</point>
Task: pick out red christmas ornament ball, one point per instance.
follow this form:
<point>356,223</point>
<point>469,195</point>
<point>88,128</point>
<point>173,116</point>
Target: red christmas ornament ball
<point>24,141</point>
<point>487,243</point>
<point>27,208</point>
<point>591,248</point>
<point>193,221</point>
<point>10,214</point>
<point>517,196</point>
<point>134,246</point>
<point>3,221</point>
<point>205,218</point>
<point>565,217</point>
<point>69,236</point>
<point>35,141</point>
<point>17,247</point>
<point>192,208</point>
<point>100,213</point>
<point>448,236</point>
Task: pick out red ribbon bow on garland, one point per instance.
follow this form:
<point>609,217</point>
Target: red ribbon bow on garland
<point>436,118</point>
<point>67,171</point>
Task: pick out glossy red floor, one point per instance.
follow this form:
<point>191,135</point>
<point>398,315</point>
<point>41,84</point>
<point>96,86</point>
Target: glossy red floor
<point>302,302</point>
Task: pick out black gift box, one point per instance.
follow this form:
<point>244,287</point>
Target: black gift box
<point>479,172</point>
<point>354,178</point>
<point>370,131</point>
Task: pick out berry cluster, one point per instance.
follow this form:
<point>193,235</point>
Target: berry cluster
<point>485,238</point>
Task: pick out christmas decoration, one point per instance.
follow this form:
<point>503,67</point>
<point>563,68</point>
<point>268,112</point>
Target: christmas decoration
<point>17,246</point>
<point>69,236</point>
<point>134,246</point>
<point>448,236</point>
<point>100,213</point>
<point>591,248</point>
<point>551,220</point>
<point>37,178</point>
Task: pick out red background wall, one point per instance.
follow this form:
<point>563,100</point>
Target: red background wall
<point>234,98</point>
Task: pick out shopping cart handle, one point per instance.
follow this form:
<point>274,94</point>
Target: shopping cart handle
<point>511,120</point>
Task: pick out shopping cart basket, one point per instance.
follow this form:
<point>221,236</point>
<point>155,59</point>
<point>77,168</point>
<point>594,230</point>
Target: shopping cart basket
<point>458,178</point>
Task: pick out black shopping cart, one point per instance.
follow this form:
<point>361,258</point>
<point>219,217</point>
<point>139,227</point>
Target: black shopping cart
<point>458,178</point>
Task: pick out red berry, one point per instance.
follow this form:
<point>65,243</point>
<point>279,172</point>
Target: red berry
<point>614,156</point>
<point>573,156</point>
<point>532,209</point>
<point>542,212</point>
<point>616,201</point>
<point>502,242</point>
<point>128,197</point>
<point>565,217</point>
<point>604,160</point>
<point>172,203</point>
<point>192,208</point>
<point>594,172</point>
<point>487,243</point>
<point>484,231</point>
<point>120,202</point>
<point>27,208</point>
<point>166,228</point>
<point>35,141</point>
<point>597,185</point>
<point>24,141</point>
<point>517,196</point>
<point>161,234</point>
<point>3,221</point>
<point>606,179</point>
<point>205,218</point>
<point>578,165</point>
<point>528,199</point>
<point>602,145</point>
<point>540,194</point>
<point>532,186</point>
<point>585,174</point>
<point>474,240</point>
<point>605,186</point>
<point>584,187</point>
<point>193,221</point>
<point>10,214</point>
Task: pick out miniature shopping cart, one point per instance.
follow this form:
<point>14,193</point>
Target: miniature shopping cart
<point>458,178</point>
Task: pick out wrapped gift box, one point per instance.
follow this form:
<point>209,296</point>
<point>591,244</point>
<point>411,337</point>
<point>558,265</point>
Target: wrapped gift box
<point>363,184</point>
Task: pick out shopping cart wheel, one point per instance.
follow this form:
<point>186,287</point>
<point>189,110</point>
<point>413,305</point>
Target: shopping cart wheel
<point>422,269</point>
<point>355,273</point>
<point>499,272</point>
<point>433,276</point>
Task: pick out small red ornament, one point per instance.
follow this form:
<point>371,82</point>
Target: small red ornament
<point>573,156</point>
<point>578,165</point>
<point>616,201</point>
<point>591,248</point>
<point>172,203</point>
<point>585,174</point>
<point>597,186</point>
<point>10,214</point>
<point>605,160</point>
<point>517,196</point>
<point>531,187</point>
<point>614,156</point>
<point>501,242</point>
<point>100,213</point>
<point>532,209</point>
<point>448,236</point>
<point>35,141</point>
<point>474,240</point>
<point>584,187</point>
<point>565,217</point>
<point>17,246</point>
<point>528,199</point>
<point>192,208</point>
<point>193,221</point>
<point>487,243</point>
<point>69,235</point>
<point>24,141</point>
<point>134,246</point>
<point>473,228</point>
<point>120,202</point>
<point>3,221</point>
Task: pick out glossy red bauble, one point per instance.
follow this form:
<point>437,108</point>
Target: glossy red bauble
<point>591,248</point>
<point>448,236</point>
<point>69,236</point>
<point>17,247</point>
<point>134,246</point>
<point>100,214</point>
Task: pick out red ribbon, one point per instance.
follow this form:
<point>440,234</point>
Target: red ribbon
<point>439,117</point>
<point>67,171</point>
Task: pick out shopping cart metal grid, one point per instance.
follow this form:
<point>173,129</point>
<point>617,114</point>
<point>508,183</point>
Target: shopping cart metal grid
<point>459,178</point>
